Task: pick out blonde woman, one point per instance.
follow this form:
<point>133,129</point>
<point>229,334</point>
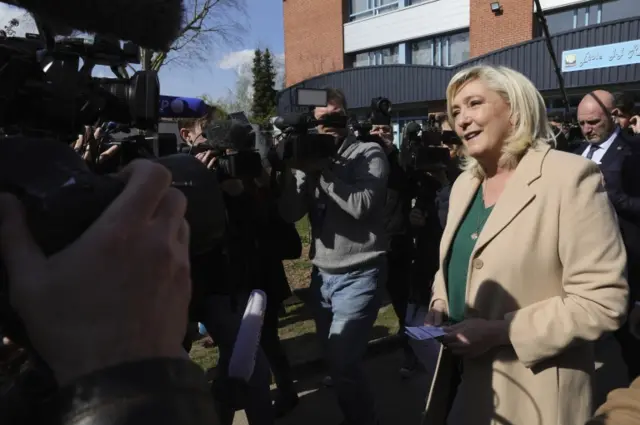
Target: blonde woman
<point>531,261</point>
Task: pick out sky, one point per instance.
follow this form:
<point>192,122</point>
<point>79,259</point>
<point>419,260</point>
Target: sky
<point>216,77</point>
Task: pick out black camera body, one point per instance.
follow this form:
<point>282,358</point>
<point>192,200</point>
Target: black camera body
<point>379,114</point>
<point>42,111</point>
<point>233,165</point>
<point>300,142</point>
<point>422,149</point>
<point>429,158</point>
<point>51,95</point>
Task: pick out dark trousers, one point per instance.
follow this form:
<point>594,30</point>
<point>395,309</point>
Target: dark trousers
<point>274,351</point>
<point>399,286</point>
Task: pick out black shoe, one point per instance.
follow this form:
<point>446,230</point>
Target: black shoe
<point>409,367</point>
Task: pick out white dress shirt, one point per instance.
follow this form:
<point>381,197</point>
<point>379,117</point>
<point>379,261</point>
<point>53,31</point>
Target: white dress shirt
<point>604,146</point>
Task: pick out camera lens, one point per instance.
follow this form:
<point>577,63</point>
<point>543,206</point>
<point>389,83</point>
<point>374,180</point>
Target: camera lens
<point>384,105</point>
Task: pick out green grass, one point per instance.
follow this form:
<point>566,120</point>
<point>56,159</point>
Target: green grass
<point>304,230</point>
<point>297,333</point>
<point>297,328</point>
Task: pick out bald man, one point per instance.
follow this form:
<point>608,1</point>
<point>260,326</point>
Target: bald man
<point>610,148</point>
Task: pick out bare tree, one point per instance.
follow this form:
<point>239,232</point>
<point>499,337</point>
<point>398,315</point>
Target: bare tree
<point>10,27</point>
<point>241,97</point>
<point>207,24</point>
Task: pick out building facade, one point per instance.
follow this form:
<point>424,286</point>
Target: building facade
<point>408,50</point>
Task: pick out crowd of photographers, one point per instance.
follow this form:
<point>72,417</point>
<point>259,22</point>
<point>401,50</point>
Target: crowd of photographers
<point>377,213</point>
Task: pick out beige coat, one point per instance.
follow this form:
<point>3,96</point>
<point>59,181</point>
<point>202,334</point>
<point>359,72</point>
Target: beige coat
<point>550,259</point>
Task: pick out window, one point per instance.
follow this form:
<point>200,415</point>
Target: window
<point>618,9</point>
<point>360,7</point>
<point>422,52</point>
<point>562,21</point>
<point>448,50</point>
<point>591,14</point>
<point>388,56</point>
<point>361,59</point>
<point>384,56</point>
<point>366,8</point>
<point>458,48</point>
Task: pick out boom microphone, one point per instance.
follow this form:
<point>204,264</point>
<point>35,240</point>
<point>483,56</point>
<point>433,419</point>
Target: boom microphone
<point>154,24</point>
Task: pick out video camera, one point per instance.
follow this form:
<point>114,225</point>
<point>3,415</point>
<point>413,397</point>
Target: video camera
<point>423,150</point>
<point>233,144</point>
<point>299,140</point>
<point>46,99</point>
<point>380,114</point>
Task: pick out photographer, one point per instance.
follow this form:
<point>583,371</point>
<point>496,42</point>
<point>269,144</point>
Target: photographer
<point>400,248</point>
<point>427,164</point>
<point>345,197</point>
<point>259,239</point>
<point>623,112</point>
<point>223,285</point>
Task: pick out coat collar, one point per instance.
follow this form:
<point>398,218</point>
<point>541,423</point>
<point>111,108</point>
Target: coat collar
<point>516,196</point>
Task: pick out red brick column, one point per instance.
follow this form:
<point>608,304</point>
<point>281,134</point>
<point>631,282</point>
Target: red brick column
<point>488,31</point>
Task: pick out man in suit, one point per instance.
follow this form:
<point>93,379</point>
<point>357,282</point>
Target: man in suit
<point>608,146</point>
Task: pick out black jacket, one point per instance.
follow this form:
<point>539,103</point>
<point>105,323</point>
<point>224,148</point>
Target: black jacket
<point>259,239</point>
<point>400,191</point>
<point>620,167</point>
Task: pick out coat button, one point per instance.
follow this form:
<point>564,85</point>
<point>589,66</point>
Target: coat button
<point>478,263</point>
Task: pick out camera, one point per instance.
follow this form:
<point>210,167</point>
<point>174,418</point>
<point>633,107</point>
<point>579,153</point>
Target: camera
<point>60,94</point>
<point>423,150</point>
<point>233,144</point>
<point>379,114</point>
<point>299,140</point>
<point>48,98</point>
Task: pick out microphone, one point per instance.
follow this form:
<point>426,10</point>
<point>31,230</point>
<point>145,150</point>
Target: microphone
<point>182,107</point>
<point>153,24</point>
<point>243,358</point>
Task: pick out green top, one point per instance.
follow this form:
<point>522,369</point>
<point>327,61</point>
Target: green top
<point>460,255</point>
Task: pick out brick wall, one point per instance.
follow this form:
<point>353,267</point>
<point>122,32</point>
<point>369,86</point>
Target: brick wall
<point>313,38</point>
<point>488,32</point>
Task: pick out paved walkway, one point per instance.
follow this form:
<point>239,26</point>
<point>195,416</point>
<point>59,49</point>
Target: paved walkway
<point>400,401</point>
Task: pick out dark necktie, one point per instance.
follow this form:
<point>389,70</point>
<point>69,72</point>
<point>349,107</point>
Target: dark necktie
<point>592,149</point>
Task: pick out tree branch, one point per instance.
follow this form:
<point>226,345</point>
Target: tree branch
<point>208,24</point>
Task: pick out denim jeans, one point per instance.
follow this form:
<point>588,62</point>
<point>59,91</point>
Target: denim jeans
<point>222,317</point>
<point>346,307</point>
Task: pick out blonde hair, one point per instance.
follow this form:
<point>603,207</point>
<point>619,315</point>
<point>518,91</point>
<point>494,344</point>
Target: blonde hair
<point>531,129</point>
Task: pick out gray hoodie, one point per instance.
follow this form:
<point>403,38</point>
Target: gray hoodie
<point>345,206</point>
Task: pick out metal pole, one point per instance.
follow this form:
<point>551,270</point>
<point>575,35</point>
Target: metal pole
<point>547,37</point>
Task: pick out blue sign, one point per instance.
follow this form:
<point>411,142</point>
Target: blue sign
<point>606,56</point>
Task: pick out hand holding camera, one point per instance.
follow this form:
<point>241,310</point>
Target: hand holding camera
<point>207,158</point>
<point>136,257</point>
<point>90,146</point>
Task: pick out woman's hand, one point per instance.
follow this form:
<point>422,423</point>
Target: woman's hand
<point>436,314</point>
<point>474,337</point>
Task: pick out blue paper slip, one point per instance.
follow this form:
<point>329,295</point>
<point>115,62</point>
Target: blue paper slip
<point>423,333</point>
